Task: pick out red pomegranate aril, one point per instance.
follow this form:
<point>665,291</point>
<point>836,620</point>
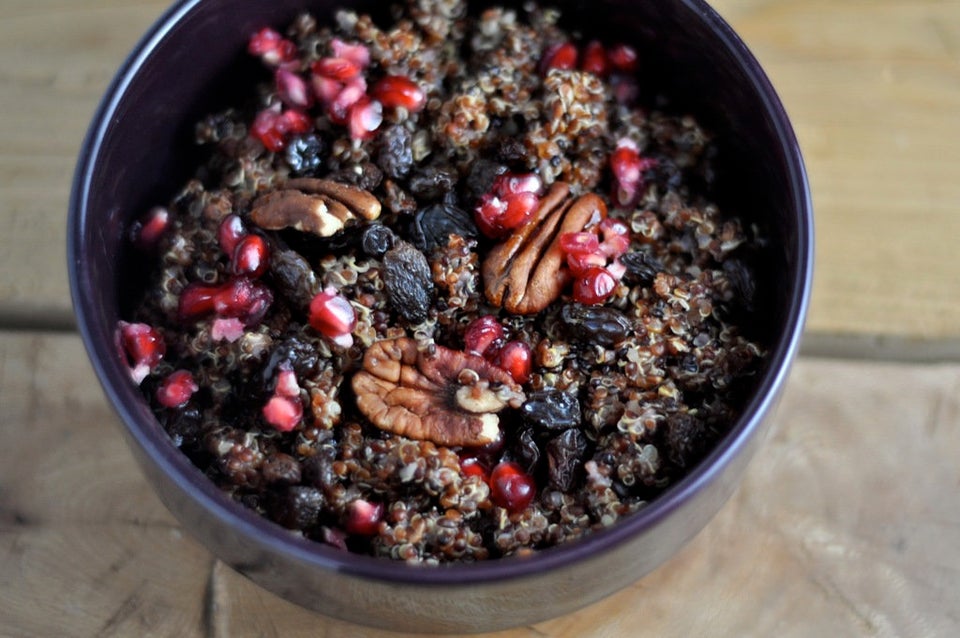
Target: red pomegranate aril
<point>229,329</point>
<point>239,298</point>
<point>511,488</point>
<point>399,91</point>
<point>579,243</point>
<point>292,89</point>
<point>271,47</point>
<point>339,69</point>
<point>339,108</point>
<point>229,234</point>
<point>516,358</point>
<point>613,226</point>
<point>147,231</point>
<point>595,59</point>
<point>363,517</point>
<point>296,122</point>
<point>287,385</point>
<point>615,245</point>
<point>143,346</point>
<point>196,300</point>
<point>623,58</point>
<point>627,167</point>
<point>507,184</point>
<point>364,118</point>
<point>594,286</point>
<point>359,54</point>
<point>250,257</point>
<point>283,413</point>
<point>268,129</point>
<point>520,208</point>
<point>580,263</point>
<point>484,337</point>
<point>175,391</point>
<point>559,56</point>
<point>332,316</point>
<point>326,89</point>
<point>471,466</point>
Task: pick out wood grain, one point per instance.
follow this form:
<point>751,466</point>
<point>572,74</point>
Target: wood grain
<point>845,525</point>
<point>873,89</point>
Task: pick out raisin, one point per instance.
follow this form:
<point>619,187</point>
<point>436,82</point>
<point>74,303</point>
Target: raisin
<point>281,469</point>
<point>565,454</point>
<point>366,175</point>
<point>551,409</point>
<point>408,282</point>
<point>524,450</point>
<point>432,183</point>
<point>293,277</point>
<point>510,150</point>
<point>395,154</point>
<point>305,154</point>
<point>376,240</point>
<point>686,439</point>
<point>741,279</point>
<point>480,178</point>
<point>642,267</point>
<point>432,226</point>
<point>300,355</point>
<point>596,324</point>
<point>296,506</point>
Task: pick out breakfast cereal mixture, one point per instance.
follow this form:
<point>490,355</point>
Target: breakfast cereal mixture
<point>443,290</point>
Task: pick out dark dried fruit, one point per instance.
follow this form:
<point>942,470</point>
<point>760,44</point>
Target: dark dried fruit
<point>432,226</point>
<point>565,454</point>
<point>551,409</point>
<point>432,183</point>
<point>293,277</point>
<point>367,176</point>
<point>376,240</point>
<point>395,154</point>
<point>741,279</point>
<point>296,507</point>
<point>281,469</point>
<point>305,154</point>
<point>408,282</point>
<point>687,438</point>
<point>524,450</point>
<point>480,178</point>
<point>642,267</point>
<point>597,324</point>
<point>293,353</point>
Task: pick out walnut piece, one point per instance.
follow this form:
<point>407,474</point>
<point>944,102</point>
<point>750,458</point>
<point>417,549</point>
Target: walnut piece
<point>318,206</point>
<point>527,272</point>
<point>440,395</point>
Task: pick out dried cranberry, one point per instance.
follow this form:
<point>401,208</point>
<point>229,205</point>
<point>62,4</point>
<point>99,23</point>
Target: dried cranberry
<point>175,391</point>
<point>363,517</point>
<point>511,488</point>
<point>471,466</point>
<point>594,286</point>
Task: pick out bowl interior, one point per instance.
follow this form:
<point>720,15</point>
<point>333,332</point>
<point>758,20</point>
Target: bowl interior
<point>139,151</point>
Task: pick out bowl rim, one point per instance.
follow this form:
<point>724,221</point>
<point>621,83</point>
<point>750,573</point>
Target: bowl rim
<point>274,539</point>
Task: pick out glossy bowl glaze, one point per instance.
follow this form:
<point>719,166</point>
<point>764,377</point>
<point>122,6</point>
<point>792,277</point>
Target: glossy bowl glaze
<point>137,153</point>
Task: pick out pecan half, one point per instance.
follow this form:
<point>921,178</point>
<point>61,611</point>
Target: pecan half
<point>440,395</point>
<point>318,206</point>
<point>527,272</point>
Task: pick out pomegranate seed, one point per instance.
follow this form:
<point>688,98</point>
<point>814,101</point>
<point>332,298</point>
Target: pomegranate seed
<point>484,337</point>
<point>228,330</point>
<point>507,184</point>
<point>363,517</point>
<point>615,245</point>
<point>579,243</point>
<point>339,108</point>
<point>595,59</point>
<point>176,389</point>
<point>627,167</point>
<point>283,413</point>
<point>359,54</point>
<point>332,316</point>
<point>559,56</point>
<point>519,209</point>
<point>399,91</point>
<point>365,118</point>
<point>250,257</point>
<point>338,69</point>
<point>287,385</point>
<point>516,358</point>
<point>239,298</point>
<point>580,263</point>
<point>511,488</point>
<point>295,122</point>
<point>326,89</point>
<point>271,47</point>
<point>472,466</point>
<point>147,231</point>
<point>616,269</point>
<point>613,226</point>
<point>196,300</point>
<point>292,89</point>
<point>143,346</point>
<point>230,232</point>
<point>594,286</point>
<point>511,201</point>
<point>623,58</point>
<point>267,128</point>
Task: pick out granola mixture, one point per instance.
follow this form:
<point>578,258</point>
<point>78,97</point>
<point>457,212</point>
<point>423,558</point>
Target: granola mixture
<point>444,291</point>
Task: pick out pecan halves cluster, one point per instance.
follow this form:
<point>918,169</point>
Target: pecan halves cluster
<point>527,272</point>
<point>318,206</point>
<point>440,395</point>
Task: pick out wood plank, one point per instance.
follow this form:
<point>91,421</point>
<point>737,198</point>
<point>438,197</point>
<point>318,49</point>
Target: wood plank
<point>872,88</point>
<point>843,525</point>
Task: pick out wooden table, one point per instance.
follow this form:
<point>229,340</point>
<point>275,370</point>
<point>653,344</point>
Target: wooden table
<point>847,525</point>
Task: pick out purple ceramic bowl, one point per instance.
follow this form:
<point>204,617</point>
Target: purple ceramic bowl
<point>138,151</point>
